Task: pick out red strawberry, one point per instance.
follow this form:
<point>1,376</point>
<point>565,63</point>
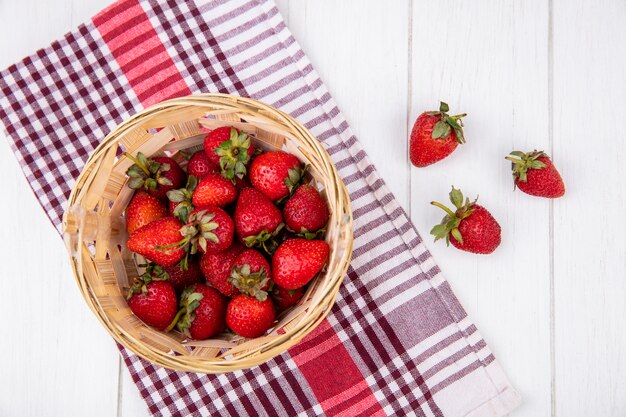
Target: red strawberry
<point>535,174</point>
<point>286,298</point>
<point>208,229</point>
<point>143,209</point>
<point>176,276</point>
<point>275,174</point>
<point>154,302</point>
<point>306,212</point>
<point>435,135</point>
<point>200,165</point>
<point>251,274</point>
<point>217,268</point>
<point>159,241</point>
<point>471,228</point>
<point>257,219</point>
<point>203,312</point>
<point>214,190</point>
<point>297,261</point>
<point>180,200</point>
<point>230,149</point>
<point>249,317</point>
<point>156,175</point>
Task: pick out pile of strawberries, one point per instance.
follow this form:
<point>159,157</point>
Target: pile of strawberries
<point>470,227</point>
<point>230,243</point>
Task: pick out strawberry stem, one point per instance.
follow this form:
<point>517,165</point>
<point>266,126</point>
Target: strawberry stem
<point>139,164</point>
<point>444,208</point>
<point>510,158</point>
<point>176,317</point>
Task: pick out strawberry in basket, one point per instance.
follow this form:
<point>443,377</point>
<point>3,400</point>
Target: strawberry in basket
<point>153,300</point>
<point>203,312</point>
<point>276,174</point>
<point>156,175</point>
<point>230,149</point>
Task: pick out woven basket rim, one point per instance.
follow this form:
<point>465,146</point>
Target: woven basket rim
<point>79,226</point>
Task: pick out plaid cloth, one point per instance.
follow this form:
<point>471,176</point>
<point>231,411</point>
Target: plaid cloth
<point>397,342</point>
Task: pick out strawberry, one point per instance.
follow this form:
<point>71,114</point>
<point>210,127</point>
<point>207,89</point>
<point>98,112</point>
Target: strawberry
<point>154,302</point>
<point>200,165</point>
<point>156,175</point>
<point>202,313</point>
<point>143,209</point>
<point>158,241</point>
<point>249,317</point>
<point>276,174</point>
<point>180,200</point>
<point>178,277</point>
<point>306,212</point>
<point>470,228</point>
<point>297,261</point>
<point>257,220</point>
<point>251,274</point>
<point>217,268</point>
<point>284,298</point>
<point>214,190</point>
<point>208,229</point>
<point>435,135</point>
<point>535,174</point>
<point>230,149</point>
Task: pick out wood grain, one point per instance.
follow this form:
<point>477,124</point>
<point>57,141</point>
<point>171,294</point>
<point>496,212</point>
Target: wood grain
<point>543,73</point>
<point>491,62</point>
<point>589,224</point>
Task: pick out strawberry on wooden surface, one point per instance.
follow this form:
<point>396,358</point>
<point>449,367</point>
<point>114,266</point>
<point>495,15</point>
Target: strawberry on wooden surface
<point>435,135</point>
<point>214,190</point>
<point>180,204</point>
<point>470,228</point>
<point>143,209</point>
<point>251,274</point>
<point>203,312</point>
<point>154,302</point>
<point>276,174</point>
<point>297,261</point>
<point>156,175</point>
<point>257,219</point>
<point>249,317</point>
<point>159,241</point>
<point>230,149</point>
<point>306,212</point>
<point>535,174</point>
<point>217,268</point>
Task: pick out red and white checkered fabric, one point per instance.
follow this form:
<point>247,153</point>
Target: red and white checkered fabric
<point>397,342</point>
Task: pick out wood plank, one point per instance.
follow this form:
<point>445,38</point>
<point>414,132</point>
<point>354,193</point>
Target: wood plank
<point>365,70</point>
<point>58,359</point>
<point>491,62</point>
<point>589,222</point>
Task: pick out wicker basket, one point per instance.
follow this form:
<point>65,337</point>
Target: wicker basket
<point>95,232</point>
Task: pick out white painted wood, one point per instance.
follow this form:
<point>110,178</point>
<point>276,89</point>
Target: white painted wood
<point>385,63</point>
<point>589,225</point>
<point>366,71</point>
<point>57,359</point>
<point>491,62</point>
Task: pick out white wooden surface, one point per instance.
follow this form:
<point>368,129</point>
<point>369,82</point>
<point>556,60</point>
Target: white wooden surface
<point>551,302</point>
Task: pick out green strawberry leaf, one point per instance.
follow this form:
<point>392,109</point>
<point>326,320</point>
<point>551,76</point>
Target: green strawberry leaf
<point>456,197</point>
<point>457,235</point>
<point>441,130</point>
